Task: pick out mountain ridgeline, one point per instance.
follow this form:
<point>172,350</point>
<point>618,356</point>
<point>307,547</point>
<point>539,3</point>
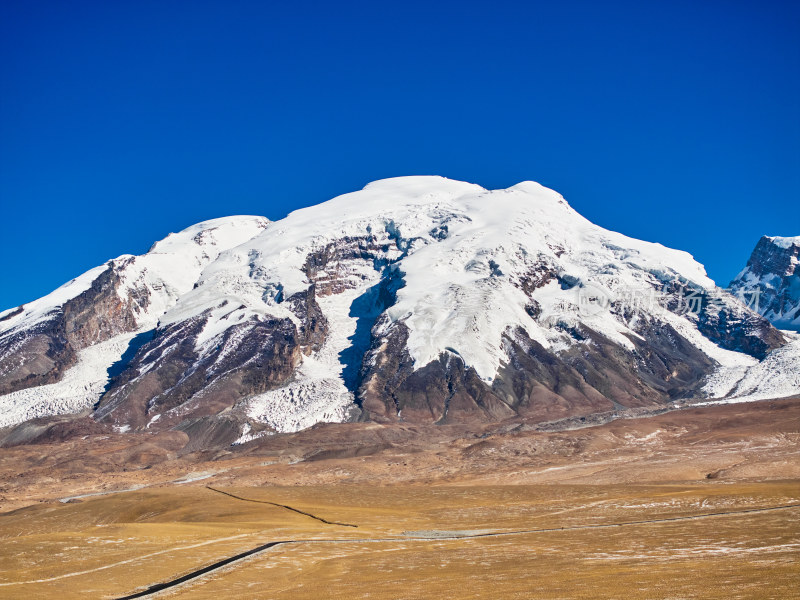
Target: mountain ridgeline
<point>416,300</point>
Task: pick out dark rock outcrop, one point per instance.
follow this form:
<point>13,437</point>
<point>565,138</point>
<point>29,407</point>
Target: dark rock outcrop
<point>740,331</point>
<point>41,354</point>
<point>171,376</point>
<point>594,376</point>
<point>770,282</point>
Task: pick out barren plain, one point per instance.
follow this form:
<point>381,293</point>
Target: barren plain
<point>696,503</point>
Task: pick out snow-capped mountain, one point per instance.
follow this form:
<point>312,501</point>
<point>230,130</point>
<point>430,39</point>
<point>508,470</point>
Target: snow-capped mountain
<point>56,352</point>
<point>773,275</point>
<point>416,299</point>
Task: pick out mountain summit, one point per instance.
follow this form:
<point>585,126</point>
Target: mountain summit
<point>416,299</point>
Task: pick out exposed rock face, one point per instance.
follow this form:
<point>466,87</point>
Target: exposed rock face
<point>176,378</point>
<point>740,331</point>
<point>772,279</point>
<point>535,383</point>
<point>41,354</point>
<point>84,327</point>
<point>34,357</point>
<point>417,300</point>
<point>335,268</point>
<point>183,377</point>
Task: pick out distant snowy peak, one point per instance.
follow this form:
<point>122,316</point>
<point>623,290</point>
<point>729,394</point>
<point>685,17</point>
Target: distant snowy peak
<point>772,276</point>
<point>785,242</point>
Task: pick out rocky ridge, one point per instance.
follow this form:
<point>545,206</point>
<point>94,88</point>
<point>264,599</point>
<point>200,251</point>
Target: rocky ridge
<point>771,281</point>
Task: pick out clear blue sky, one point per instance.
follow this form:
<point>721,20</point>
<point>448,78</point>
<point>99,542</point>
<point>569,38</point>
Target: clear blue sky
<point>676,122</point>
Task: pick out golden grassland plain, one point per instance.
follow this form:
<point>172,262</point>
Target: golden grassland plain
<point>701,503</point>
<point>720,546</point>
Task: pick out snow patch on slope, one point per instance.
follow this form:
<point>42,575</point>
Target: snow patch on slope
<point>318,393</point>
<point>785,242</point>
<point>173,265</point>
<point>777,376</point>
<point>80,388</point>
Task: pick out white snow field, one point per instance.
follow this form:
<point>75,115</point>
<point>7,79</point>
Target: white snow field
<point>777,376</point>
<point>318,393</point>
<point>169,270</point>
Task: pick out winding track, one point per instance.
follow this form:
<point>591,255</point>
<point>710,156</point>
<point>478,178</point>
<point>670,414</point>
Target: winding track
<point>264,547</point>
<point>286,506</point>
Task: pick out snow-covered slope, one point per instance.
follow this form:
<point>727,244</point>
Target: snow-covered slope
<point>79,388</point>
<point>463,252</point>
<point>770,284</point>
<point>420,299</point>
<point>169,270</point>
<point>777,376</point>
<point>132,292</point>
